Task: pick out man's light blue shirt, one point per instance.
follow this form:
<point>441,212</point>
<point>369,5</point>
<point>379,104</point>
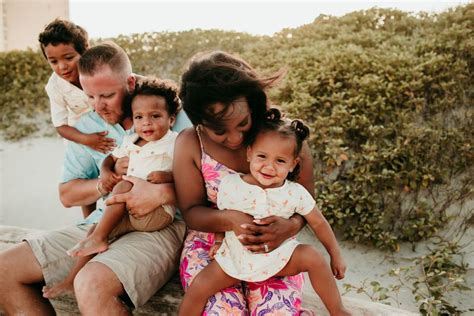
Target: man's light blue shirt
<point>82,162</point>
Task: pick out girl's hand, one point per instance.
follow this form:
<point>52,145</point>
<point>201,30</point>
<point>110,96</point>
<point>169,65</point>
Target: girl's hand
<point>99,142</point>
<point>268,233</point>
<point>338,267</point>
<point>121,166</point>
<point>144,196</point>
<point>213,250</point>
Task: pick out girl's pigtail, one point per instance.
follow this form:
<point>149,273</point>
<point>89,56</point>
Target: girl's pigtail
<point>301,130</point>
<point>273,115</point>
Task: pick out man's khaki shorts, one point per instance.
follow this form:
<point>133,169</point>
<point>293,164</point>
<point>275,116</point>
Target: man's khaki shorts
<point>142,261</point>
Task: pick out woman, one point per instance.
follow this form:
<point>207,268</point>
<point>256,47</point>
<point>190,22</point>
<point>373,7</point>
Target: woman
<point>225,100</point>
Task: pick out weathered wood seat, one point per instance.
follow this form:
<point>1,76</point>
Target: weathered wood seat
<point>166,301</point>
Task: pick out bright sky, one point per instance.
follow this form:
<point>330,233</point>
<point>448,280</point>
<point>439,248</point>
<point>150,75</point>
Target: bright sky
<point>109,18</point>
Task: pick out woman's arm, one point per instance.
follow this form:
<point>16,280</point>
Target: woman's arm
<point>191,192</point>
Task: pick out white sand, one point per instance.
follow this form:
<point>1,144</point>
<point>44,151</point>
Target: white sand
<point>30,173</point>
<point>29,178</point>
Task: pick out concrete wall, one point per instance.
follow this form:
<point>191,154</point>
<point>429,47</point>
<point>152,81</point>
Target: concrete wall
<point>22,21</point>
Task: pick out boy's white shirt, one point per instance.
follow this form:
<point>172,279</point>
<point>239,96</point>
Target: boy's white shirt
<point>153,156</point>
<point>67,102</point>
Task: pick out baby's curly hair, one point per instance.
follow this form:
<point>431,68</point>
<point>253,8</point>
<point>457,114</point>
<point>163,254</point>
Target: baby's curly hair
<point>167,89</point>
<point>296,129</point>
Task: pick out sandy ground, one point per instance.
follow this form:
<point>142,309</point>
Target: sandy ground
<point>30,173</point>
<point>29,178</point>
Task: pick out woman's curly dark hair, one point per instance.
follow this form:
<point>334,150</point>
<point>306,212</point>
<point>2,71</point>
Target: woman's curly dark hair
<point>219,77</point>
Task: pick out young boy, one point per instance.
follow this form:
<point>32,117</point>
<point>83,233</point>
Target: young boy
<point>63,43</point>
<point>154,104</point>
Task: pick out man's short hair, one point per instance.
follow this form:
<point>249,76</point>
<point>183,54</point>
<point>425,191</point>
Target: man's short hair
<point>64,32</point>
<point>107,53</point>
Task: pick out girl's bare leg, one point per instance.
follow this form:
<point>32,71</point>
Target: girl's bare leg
<point>67,285</point>
<point>209,281</point>
<point>98,240</point>
<point>307,259</point>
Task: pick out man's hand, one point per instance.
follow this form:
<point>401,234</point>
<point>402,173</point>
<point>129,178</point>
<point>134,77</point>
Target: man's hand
<point>99,142</point>
<point>144,197</point>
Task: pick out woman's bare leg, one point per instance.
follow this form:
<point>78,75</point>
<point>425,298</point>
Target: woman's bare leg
<point>209,281</point>
<point>98,240</point>
<point>307,259</point>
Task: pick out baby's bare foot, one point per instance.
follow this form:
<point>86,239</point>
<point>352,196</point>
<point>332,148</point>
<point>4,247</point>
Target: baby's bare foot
<point>88,246</point>
<point>58,289</point>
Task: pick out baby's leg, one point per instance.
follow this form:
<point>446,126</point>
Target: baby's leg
<point>88,209</point>
<point>208,282</point>
<point>153,221</point>
<point>98,240</point>
<point>66,285</point>
<point>307,259</point>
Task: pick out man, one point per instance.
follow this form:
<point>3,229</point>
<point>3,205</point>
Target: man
<point>137,264</point>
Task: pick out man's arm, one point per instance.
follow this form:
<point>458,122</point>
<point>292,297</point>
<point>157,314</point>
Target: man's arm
<point>79,178</point>
<point>79,192</point>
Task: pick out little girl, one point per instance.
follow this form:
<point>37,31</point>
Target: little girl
<point>265,191</point>
<point>155,104</point>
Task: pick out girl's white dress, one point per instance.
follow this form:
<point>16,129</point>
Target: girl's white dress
<point>234,193</point>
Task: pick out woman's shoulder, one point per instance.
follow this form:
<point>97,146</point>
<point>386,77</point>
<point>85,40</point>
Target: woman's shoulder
<point>188,135</point>
<point>188,140</point>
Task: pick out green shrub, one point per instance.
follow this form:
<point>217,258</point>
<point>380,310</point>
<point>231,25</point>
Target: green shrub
<point>23,77</point>
<point>389,100</point>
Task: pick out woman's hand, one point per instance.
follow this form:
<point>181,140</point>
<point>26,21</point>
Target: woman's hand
<point>144,196</point>
<point>268,233</point>
<point>239,221</point>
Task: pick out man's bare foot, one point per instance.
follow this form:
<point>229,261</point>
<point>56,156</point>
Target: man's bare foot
<point>88,246</point>
<point>58,289</point>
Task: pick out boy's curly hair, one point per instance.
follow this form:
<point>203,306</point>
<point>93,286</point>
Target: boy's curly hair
<point>167,89</point>
<point>62,31</point>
